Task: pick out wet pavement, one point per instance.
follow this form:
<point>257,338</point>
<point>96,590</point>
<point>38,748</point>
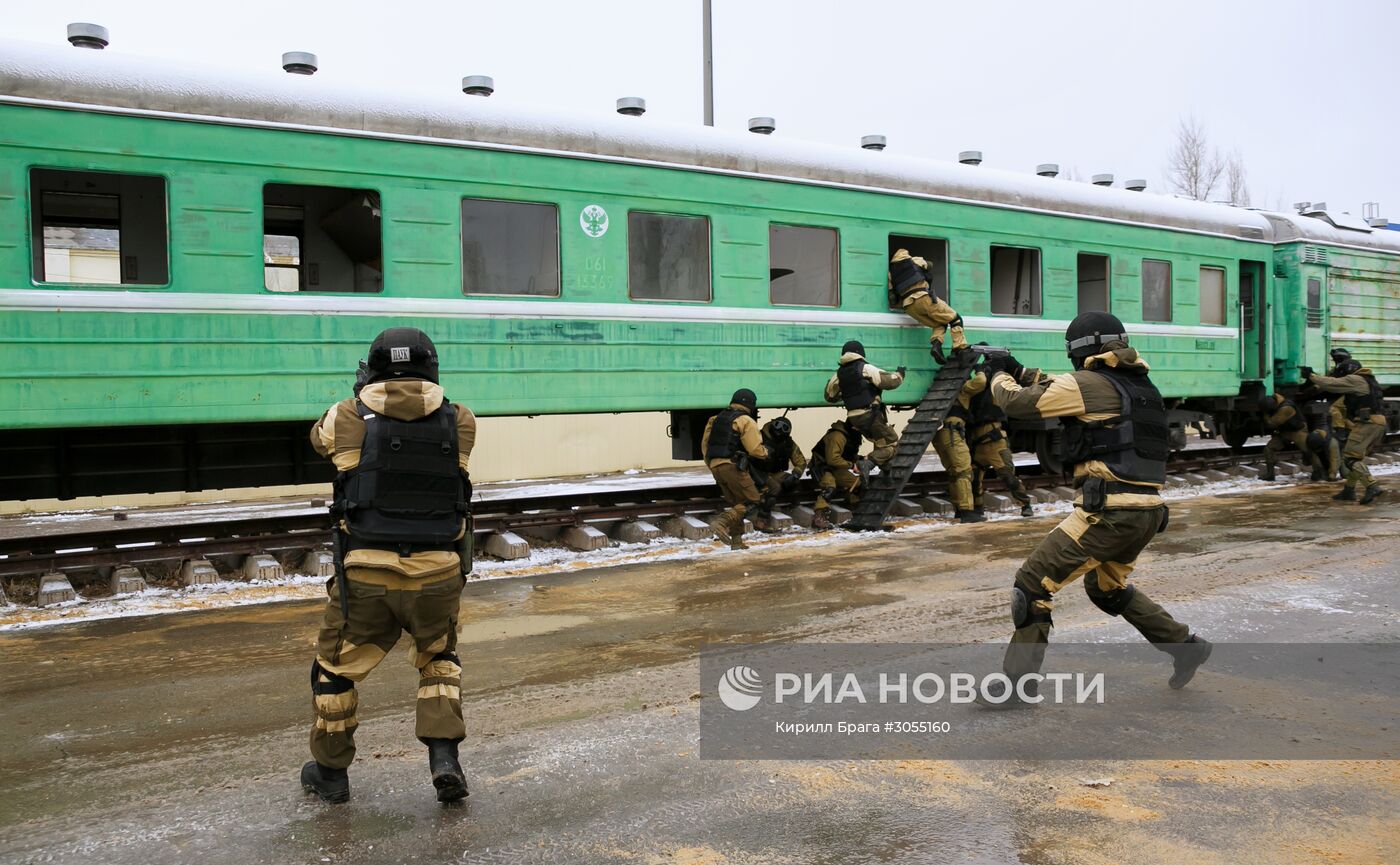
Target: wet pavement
<point>177,738</point>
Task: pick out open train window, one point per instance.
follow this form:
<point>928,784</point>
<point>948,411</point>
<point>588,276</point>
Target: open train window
<point>1156,290</point>
<point>930,249</point>
<point>1314,303</point>
<point>1015,280</point>
<point>668,257</point>
<point>1212,295</point>
<point>510,247</point>
<point>1093,283</point>
<point>321,238</point>
<point>98,228</point>
<point>802,266</point>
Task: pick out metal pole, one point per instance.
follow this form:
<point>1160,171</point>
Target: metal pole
<point>709,68</point>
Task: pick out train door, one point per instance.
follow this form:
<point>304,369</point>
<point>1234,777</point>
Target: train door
<point>1254,321</point>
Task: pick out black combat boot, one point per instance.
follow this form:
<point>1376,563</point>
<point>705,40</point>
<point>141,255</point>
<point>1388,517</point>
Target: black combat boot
<point>332,785</point>
<point>1026,511</point>
<point>1186,657</point>
<point>970,516</point>
<point>1348,494</point>
<point>451,784</point>
<point>1318,474</point>
<point>1266,473</point>
<point>1372,493</point>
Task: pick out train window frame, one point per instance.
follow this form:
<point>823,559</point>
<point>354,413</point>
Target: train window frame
<point>1038,310</point>
<point>311,270</point>
<point>556,246</point>
<point>835,268</point>
<point>1107,280</point>
<point>895,242</point>
<point>709,257</point>
<point>1312,301</point>
<point>1224,313</point>
<point>34,216</point>
<point>1142,284</point>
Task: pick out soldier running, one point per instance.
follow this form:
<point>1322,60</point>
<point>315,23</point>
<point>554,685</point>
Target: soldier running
<point>778,473</point>
<point>834,467</point>
<point>402,549</point>
<point>1362,402</point>
<point>1117,440</point>
<point>857,384</point>
<point>731,439</point>
<point>1281,418</point>
<point>909,282</point>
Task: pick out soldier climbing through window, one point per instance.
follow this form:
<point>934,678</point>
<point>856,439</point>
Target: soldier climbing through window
<point>834,468</point>
<point>402,551</point>
<point>731,440</point>
<point>909,283</point>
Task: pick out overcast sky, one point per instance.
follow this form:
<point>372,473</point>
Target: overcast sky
<point>1304,90</point>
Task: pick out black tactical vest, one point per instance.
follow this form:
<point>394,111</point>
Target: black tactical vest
<point>904,275</point>
<point>1361,407</point>
<point>1135,444</point>
<point>1295,423</point>
<point>408,488</point>
<point>779,454</point>
<point>723,443</point>
<point>857,391</point>
<point>984,409</point>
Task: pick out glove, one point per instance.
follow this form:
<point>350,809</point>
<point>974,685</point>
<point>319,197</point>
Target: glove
<point>901,369</point>
<point>1013,367</point>
<point>788,482</point>
<point>936,349</point>
<point>993,365</point>
<point>1306,372</point>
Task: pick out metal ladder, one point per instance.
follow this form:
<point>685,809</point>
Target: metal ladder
<point>874,506</point>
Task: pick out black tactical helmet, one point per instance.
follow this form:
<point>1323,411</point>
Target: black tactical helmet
<point>402,352</point>
<point>1267,403</point>
<point>1340,354</point>
<point>853,345</point>
<point>746,398</point>
<point>782,427</point>
<point>1087,334</point>
<point>1348,366</point>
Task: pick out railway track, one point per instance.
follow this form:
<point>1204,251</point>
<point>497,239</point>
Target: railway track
<point>86,553</point>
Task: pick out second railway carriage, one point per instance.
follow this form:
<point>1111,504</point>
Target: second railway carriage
<point>192,263</point>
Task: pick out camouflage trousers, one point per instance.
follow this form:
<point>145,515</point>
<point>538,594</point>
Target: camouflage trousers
<point>951,444</point>
<point>874,424</point>
<point>1101,548</point>
<point>739,492</point>
<point>933,313</point>
<point>382,605</point>
<point>995,456</point>
<point>829,480</point>
<point>1297,439</point>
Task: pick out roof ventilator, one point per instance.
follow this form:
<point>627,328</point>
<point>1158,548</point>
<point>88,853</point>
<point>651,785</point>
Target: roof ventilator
<point>970,157</point>
<point>632,106</point>
<point>1136,185</point>
<point>872,142</point>
<point>1103,180</point>
<point>762,125</point>
<point>300,63</point>
<point>88,36</point>
<point>1048,169</point>
<point>478,85</point>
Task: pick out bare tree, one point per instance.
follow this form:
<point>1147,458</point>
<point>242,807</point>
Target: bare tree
<point>1193,166</point>
<point>1236,180</point>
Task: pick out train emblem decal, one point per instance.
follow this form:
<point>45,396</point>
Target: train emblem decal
<point>594,220</point>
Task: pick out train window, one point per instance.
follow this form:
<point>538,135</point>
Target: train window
<point>1093,283</point>
<point>1156,290</point>
<point>802,266</point>
<point>1015,280</point>
<point>510,247</point>
<point>1212,295</point>
<point>930,249</point>
<point>321,238</point>
<point>668,257</point>
<point>1314,303</point>
<point>98,228</point>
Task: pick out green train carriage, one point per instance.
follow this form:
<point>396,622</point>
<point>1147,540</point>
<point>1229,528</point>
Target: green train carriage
<point>191,264</point>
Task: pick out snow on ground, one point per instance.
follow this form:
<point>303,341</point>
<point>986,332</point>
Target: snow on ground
<point>542,559</point>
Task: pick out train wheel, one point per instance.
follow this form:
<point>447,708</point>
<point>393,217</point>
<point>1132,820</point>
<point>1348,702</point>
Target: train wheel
<point>1047,450</point>
<point>1235,436</point>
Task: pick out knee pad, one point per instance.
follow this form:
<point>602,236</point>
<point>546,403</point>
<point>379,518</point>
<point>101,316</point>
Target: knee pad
<point>333,683</point>
<point>448,656</point>
<point>1114,602</point>
<point>956,322</point>
<point>1024,610</point>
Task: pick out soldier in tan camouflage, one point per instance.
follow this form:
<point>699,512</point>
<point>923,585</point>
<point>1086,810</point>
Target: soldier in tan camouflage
<point>1363,403</point>
<point>731,439</point>
<point>834,468</point>
<point>909,279</point>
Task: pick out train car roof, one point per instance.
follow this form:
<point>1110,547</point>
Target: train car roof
<point>110,81</point>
